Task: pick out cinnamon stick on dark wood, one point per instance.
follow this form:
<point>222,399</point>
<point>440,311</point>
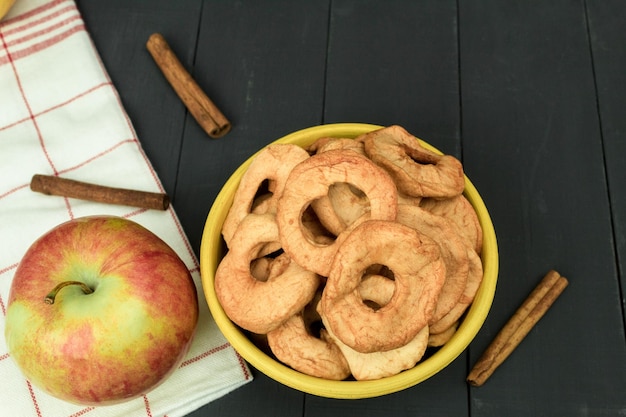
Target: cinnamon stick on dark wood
<point>518,326</point>
<point>206,113</point>
<point>64,187</point>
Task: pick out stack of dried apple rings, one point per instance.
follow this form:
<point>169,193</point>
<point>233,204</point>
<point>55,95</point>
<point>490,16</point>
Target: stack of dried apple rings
<point>351,257</point>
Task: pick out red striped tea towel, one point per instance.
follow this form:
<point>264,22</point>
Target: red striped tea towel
<point>61,115</point>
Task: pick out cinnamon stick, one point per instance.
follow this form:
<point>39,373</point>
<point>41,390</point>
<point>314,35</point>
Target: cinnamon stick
<point>206,113</point>
<point>64,187</point>
<point>518,326</point>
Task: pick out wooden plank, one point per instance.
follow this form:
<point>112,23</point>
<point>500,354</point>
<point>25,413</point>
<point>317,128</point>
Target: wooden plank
<point>120,30</point>
<point>262,397</point>
<point>396,62</point>
<point>531,143</point>
<point>607,28</point>
<point>532,140</point>
<point>444,394</point>
<point>263,66</point>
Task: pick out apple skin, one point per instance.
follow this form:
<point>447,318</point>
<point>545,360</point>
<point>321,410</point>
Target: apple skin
<point>116,343</point>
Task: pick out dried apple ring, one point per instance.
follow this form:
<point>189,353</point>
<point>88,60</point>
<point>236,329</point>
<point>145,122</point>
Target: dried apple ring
<point>417,171</point>
<point>418,271</point>
<point>376,365</point>
<point>440,339</point>
<point>273,164</point>
<point>261,306</point>
<point>453,252</point>
<point>460,211</point>
<point>294,344</point>
<point>379,290</point>
<point>474,280</point>
<point>310,180</point>
<point>261,205</point>
<point>330,143</point>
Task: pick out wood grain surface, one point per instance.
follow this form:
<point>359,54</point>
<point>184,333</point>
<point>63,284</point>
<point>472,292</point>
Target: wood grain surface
<point>529,94</point>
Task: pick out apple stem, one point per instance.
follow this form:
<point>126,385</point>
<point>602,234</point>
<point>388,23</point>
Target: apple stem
<point>52,294</point>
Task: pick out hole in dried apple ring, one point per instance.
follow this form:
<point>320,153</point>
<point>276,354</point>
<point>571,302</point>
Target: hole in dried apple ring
<point>376,290</point>
<point>341,207</point>
<point>314,230</point>
<point>264,179</point>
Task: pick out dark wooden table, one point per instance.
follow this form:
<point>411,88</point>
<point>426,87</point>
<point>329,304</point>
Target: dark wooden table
<point>531,95</point>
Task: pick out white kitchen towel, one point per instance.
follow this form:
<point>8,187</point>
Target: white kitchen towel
<point>61,115</point>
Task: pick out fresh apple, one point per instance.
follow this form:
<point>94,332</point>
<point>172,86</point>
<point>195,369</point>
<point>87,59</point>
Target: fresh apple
<point>100,311</point>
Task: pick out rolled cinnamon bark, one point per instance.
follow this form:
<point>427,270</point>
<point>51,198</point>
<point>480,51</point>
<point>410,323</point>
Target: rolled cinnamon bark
<point>64,187</point>
<point>518,326</point>
<point>206,113</point>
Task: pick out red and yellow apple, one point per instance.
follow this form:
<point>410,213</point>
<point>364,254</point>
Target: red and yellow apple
<point>100,311</point>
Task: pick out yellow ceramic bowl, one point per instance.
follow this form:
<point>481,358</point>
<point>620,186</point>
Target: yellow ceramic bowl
<point>5,5</point>
<point>212,250</point>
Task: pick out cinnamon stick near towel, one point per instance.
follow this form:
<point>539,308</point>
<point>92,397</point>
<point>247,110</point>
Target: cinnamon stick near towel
<point>518,326</point>
<point>206,113</point>
<point>51,185</point>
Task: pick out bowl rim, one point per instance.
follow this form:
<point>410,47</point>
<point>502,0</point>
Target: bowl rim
<point>467,330</point>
